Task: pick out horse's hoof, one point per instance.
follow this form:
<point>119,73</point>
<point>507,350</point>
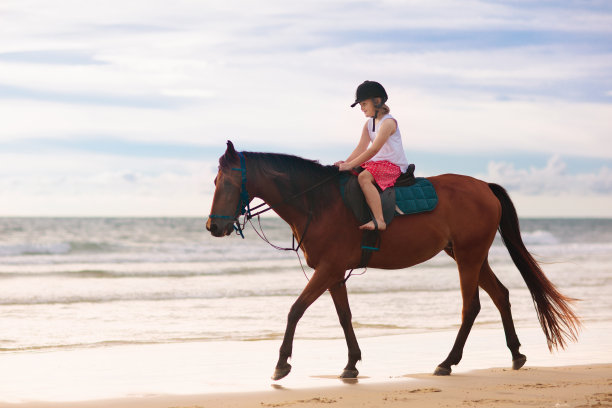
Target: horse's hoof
<point>442,371</point>
<point>518,362</point>
<point>349,373</point>
<point>281,372</point>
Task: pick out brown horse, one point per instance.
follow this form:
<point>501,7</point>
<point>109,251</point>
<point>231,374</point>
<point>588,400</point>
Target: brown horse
<point>306,195</point>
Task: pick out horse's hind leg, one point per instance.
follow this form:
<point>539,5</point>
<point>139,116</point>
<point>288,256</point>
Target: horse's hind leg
<point>340,297</point>
<point>468,276</point>
<point>500,296</point>
<point>321,280</point>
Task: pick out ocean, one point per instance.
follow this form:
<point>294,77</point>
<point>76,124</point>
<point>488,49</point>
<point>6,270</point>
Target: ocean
<point>72,283</point>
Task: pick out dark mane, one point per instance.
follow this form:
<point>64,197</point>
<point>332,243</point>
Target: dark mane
<point>293,175</point>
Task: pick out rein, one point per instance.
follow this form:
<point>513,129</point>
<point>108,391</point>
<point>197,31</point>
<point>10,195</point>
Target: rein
<point>243,208</point>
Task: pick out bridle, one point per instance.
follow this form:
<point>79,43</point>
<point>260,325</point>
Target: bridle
<point>244,208</point>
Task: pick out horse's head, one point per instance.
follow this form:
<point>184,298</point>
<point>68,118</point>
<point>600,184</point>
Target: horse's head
<point>227,202</point>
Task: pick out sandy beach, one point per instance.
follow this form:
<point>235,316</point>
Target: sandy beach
<point>236,374</point>
<point>571,386</point>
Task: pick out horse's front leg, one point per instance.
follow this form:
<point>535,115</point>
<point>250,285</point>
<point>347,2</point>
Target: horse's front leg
<point>321,280</point>
<point>340,297</point>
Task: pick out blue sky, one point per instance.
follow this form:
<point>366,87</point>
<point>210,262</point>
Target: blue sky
<point>119,108</point>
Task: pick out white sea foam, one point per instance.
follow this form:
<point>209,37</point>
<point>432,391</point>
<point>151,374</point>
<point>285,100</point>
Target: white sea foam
<point>540,237</point>
<point>34,249</point>
<point>95,282</point>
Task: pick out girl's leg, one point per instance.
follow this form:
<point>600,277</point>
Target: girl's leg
<point>372,196</point>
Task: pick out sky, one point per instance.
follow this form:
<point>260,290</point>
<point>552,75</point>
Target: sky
<point>122,108</point>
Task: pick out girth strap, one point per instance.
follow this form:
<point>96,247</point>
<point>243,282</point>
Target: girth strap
<point>370,242</point>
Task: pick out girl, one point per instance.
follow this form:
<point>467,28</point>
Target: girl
<point>384,160</point>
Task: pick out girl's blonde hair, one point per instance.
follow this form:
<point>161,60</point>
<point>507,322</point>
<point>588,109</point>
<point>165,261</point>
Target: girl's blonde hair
<point>384,109</point>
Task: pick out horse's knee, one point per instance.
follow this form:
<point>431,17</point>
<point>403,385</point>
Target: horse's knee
<point>501,298</point>
<point>296,312</point>
<point>473,310</point>
<point>476,307</point>
<point>505,295</point>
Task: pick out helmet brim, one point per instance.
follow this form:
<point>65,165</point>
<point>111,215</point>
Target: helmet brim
<point>358,101</point>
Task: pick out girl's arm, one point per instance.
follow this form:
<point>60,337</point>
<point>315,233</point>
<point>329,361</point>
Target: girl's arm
<point>386,130</point>
<point>364,141</point>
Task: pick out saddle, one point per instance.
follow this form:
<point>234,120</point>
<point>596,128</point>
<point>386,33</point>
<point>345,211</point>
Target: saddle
<point>409,195</point>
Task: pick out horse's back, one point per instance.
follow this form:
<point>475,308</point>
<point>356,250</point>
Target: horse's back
<point>467,214</point>
<point>466,198</point>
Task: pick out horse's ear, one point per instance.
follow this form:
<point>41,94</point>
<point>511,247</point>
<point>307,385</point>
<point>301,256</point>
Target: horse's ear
<point>230,152</point>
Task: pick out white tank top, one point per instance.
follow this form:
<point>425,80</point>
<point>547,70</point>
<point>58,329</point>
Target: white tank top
<point>393,150</point>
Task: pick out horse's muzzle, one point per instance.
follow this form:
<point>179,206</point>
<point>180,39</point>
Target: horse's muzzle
<point>219,229</point>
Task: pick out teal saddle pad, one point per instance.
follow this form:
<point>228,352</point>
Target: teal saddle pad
<point>419,197</point>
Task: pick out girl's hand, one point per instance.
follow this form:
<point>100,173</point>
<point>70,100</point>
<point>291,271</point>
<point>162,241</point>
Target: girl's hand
<point>344,166</point>
<point>338,163</point>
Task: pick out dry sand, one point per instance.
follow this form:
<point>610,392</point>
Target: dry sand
<point>236,374</point>
<point>571,386</point>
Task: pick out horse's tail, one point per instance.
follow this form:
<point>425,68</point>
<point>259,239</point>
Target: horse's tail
<point>558,320</point>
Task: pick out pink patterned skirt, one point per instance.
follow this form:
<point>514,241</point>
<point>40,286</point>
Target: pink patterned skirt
<point>385,173</point>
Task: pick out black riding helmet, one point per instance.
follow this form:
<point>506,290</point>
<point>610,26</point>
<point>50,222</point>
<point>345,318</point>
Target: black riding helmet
<point>369,90</point>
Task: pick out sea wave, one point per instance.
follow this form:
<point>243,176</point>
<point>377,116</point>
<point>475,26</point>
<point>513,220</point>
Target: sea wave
<point>221,336</point>
<point>70,253</point>
<point>141,297</point>
<point>114,274</point>
<point>56,248</point>
<point>157,293</point>
<point>35,249</point>
<point>71,283</point>
<point>150,269</point>
<point>540,237</point>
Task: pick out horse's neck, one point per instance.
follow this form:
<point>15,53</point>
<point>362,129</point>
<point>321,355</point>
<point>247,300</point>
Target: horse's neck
<point>289,209</point>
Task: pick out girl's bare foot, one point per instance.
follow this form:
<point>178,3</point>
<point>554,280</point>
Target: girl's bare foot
<point>380,225</point>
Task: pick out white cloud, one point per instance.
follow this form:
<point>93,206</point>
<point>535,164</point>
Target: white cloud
<point>552,191</point>
<point>86,184</point>
<point>471,125</point>
<point>562,205</point>
<point>551,180</point>
<point>282,75</point>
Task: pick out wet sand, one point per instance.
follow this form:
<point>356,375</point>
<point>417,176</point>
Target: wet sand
<point>236,374</point>
<point>572,386</point>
